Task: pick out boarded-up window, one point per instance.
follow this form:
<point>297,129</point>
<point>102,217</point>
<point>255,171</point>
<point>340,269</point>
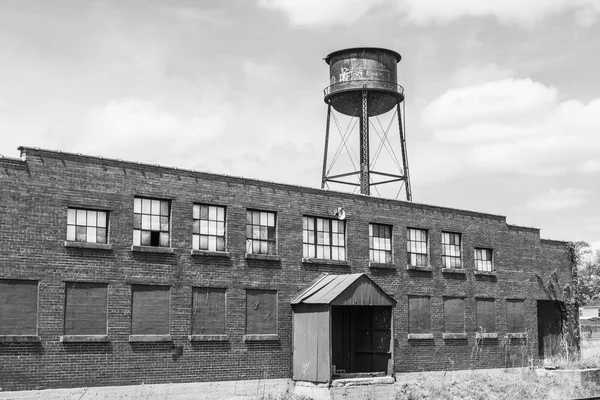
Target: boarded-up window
<point>18,307</point>
<point>261,312</point>
<point>454,315</point>
<point>419,314</point>
<point>209,312</point>
<point>85,308</point>
<point>150,310</point>
<point>515,319</point>
<point>486,315</point>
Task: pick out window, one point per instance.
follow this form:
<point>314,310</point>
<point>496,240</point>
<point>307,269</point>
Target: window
<point>260,232</point>
<point>598,310</point>
<point>85,308</point>
<point>515,319</point>
<point>380,243</point>
<point>209,228</point>
<point>261,312</point>
<point>416,247</point>
<point>483,260</point>
<point>486,315</point>
<point>451,250</point>
<point>150,310</point>
<point>323,238</point>
<point>86,225</point>
<point>151,222</point>
<point>209,312</point>
<point>454,315</point>
<point>419,314</point>
<point>18,307</point>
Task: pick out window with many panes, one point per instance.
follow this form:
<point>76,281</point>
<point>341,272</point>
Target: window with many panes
<point>451,257</point>
<point>208,228</point>
<point>416,247</point>
<point>151,225</point>
<point>323,238</point>
<point>483,260</point>
<point>380,243</point>
<point>260,232</point>
<point>86,225</point>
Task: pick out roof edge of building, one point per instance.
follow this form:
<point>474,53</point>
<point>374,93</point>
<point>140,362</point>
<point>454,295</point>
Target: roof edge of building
<point>285,186</point>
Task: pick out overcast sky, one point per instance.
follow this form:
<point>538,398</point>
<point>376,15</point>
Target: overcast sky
<point>502,97</point>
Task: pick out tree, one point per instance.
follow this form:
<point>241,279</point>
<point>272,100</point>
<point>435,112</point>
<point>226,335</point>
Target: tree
<point>588,272</point>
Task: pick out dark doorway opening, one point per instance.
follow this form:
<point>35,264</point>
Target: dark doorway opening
<point>550,319</point>
<point>361,340</point>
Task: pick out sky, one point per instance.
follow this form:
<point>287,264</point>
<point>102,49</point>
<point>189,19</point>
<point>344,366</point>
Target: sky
<point>502,97</point>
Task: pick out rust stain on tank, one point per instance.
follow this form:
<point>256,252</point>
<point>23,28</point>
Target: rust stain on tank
<point>367,68</point>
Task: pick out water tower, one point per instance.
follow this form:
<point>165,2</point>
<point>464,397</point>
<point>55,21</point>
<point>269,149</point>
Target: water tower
<point>363,86</point>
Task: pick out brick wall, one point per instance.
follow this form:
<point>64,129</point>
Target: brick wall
<point>33,213</point>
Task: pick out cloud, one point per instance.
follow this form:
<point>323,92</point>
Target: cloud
<point>558,200</point>
<point>517,125</point>
<point>477,74</point>
<point>144,130</point>
<point>590,166</point>
<point>309,13</point>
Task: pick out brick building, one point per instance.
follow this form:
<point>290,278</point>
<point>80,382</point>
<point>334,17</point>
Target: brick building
<point>115,272</point>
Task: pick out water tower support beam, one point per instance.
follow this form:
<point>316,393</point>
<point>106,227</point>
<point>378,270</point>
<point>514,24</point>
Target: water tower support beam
<point>365,179</point>
<point>323,177</point>
<point>404,155</point>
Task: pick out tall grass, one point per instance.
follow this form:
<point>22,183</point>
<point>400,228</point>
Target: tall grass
<point>503,386</point>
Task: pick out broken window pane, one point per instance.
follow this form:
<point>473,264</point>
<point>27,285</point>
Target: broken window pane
<point>151,217</point>
<point>260,232</point>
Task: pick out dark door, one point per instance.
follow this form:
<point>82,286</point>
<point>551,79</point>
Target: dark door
<point>361,339</point>
<point>549,328</point>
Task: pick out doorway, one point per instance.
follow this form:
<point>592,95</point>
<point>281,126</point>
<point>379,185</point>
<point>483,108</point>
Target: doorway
<point>550,319</point>
<point>361,340</point>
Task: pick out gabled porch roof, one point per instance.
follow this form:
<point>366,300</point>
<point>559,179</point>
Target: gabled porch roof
<point>345,290</point>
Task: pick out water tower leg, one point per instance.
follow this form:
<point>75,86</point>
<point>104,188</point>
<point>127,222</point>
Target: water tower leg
<point>323,177</point>
<point>404,156</point>
<point>365,180</point>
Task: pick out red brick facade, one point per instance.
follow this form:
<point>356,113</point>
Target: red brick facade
<point>38,189</point>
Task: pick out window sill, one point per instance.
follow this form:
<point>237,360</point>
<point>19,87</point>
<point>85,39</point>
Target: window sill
<point>83,338</point>
<point>264,257</point>
<point>261,338</point>
<point>209,253</point>
<point>86,245</point>
<point>486,335</point>
<point>485,273</point>
<point>149,338</point>
<point>451,335</point>
<point>152,249</point>
<point>382,265</point>
<point>19,339</point>
<point>454,271</point>
<point>208,338</point>
<point>418,268</point>
<point>519,335</point>
<point>323,261</point>
<point>420,336</point>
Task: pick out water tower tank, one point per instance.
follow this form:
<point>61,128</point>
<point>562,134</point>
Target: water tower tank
<point>354,70</point>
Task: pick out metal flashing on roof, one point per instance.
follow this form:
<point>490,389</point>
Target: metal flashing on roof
<point>346,290</point>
